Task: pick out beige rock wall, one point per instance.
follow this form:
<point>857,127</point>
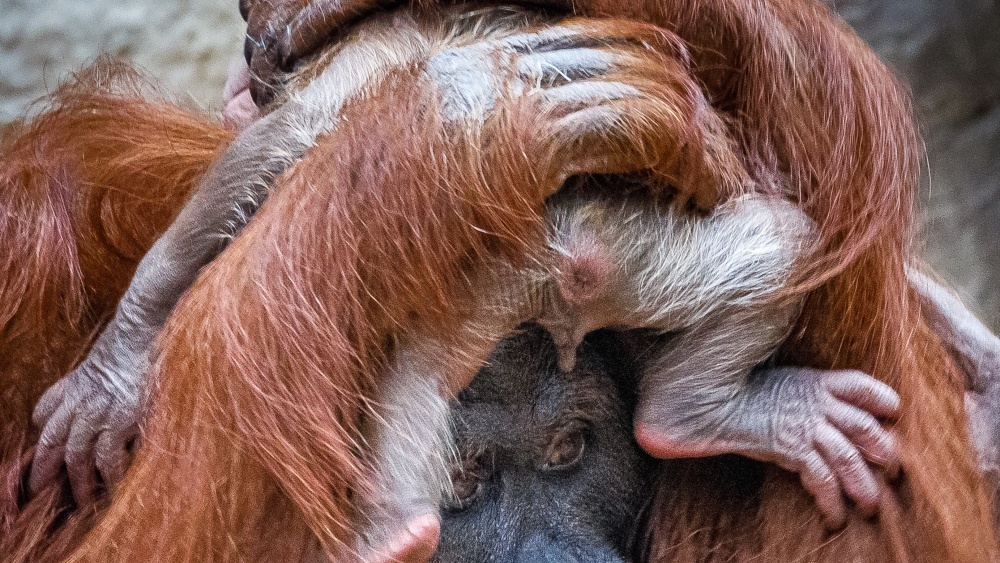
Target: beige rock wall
<point>948,50</point>
<point>186,43</point>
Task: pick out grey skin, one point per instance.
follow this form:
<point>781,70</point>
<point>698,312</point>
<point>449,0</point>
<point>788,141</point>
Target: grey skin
<point>547,467</point>
<point>89,417</point>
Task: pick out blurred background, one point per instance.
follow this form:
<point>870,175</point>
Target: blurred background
<point>948,51</point>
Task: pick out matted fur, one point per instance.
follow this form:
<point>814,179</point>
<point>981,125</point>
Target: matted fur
<point>269,362</point>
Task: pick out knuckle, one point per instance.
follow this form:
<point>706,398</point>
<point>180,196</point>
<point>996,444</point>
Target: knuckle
<point>39,416</point>
<point>889,449</point>
<point>56,389</point>
<point>850,375</point>
<point>828,488</point>
<point>870,429</point>
<point>53,435</point>
<point>49,441</point>
<point>106,454</point>
<point>107,461</point>
<point>76,454</point>
<point>884,392</point>
<point>854,464</point>
<point>851,455</point>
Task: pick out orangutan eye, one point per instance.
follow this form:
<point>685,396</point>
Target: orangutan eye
<point>467,483</point>
<point>566,449</point>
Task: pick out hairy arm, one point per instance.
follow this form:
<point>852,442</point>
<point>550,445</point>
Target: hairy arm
<point>90,417</point>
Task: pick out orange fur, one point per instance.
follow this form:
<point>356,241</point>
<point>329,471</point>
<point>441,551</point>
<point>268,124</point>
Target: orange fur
<point>268,364</point>
<point>815,109</point>
<point>85,188</point>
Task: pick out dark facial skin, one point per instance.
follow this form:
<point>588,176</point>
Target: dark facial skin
<point>548,468</point>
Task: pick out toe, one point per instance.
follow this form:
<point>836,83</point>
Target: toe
<point>856,478</point>
<point>874,441</point>
<point>819,480</point>
<point>864,391</point>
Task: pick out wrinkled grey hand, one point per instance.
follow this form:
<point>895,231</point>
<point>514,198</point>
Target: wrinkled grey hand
<point>608,93</point>
<point>825,426</point>
<point>280,33</point>
<point>822,424</point>
<point>91,416</point>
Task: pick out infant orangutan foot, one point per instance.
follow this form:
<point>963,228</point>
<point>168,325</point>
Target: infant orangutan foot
<point>415,543</point>
<point>824,425</point>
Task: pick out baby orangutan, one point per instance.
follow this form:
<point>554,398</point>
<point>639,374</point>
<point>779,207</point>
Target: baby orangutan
<point>721,285</point>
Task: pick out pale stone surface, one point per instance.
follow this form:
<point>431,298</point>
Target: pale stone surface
<point>949,51</point>
<point>187,44</point>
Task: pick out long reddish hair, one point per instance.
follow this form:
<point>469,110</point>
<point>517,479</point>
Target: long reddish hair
<point>270,360</point>
<point>85,188</point>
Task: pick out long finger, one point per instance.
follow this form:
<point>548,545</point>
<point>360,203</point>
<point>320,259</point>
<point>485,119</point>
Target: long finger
<point>51,450</point>
<point>862,390</point>
<point>556,68</point>
<point>50,401</point>
<point>80,461</point>
<point>549,39</point>
<point>592,33</point>
<point>846,461</point>
<point>264,73</point>
<point>876,443</point>
<point>586,104</point>
<point>112,455</point>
